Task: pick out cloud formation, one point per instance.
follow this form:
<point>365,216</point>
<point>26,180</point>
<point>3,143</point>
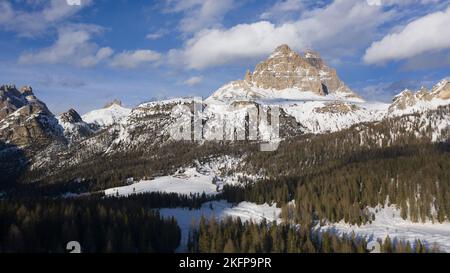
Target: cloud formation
<point>74,45</point>
<point>281,8</point>
<point>199,14</point>
<point>46,14</point>
<point>134,59</point>
<point>324,29</point>
<point>426,34</point>
<point>196,80</point>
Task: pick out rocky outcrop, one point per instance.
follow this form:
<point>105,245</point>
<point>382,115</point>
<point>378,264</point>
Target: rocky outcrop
<point>24,128</point>
<point>442,90</point>
<point>12,99</point>
<point>74,127</point>
<point>411,101</point>
<point>423,99</point>
<point>25,120</point>
<point>337,107</point>
<point>404,100</point>
<point>71,116</point>
<point>112,103</point>
<point>287,70</point>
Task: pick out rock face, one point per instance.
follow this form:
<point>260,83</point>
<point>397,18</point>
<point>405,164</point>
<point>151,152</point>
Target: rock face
<point>12,99</point>
<point>25,120</point>
<point>409,101</point>
<point>74,127</point>
<point>442,90</point>
<point>71,116</point>
<point>404,100</point>
<point>114,102</point>
<point>287,70</point>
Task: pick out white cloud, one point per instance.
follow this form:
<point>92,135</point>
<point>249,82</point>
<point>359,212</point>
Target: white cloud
<point>324,29</point>
<point>134,59</point>
<point>157,34</point>
<point>73,46</point>
<point>45,14</point>
<point>282,7</point>
<point>426,34</point>
<point>196,80</point>
<point>154,36</point>
<point>217,47</point>
<point>400,2</point>
<point>200,14</point>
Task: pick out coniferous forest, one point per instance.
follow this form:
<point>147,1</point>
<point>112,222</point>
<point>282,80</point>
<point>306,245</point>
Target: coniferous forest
<point>100,226</point>
<point>233,236</point>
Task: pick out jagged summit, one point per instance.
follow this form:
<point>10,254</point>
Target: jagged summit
<point>112,103</point>
<point>409,101</point>
<point>24,119</point>
<point>71,116</point>
<point>442,89</point>
<point>12,99</point>
<point>286,69</point>
<point>282,51</point>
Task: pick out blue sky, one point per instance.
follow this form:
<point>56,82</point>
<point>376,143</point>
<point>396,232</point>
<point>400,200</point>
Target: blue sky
<point>82,56</point>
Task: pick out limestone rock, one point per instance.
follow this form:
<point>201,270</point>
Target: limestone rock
<point>287,70</point>
<point>71,116</point>
<point>442,90</point>
<point>114,102</point>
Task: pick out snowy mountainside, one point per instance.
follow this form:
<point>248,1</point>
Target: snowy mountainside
<point>73,125</point>
<point>409,102</point>
<point>107,116</point>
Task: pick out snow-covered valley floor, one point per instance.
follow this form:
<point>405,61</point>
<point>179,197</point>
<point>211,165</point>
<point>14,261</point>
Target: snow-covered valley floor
<point>388,222</point>
<point>199,179</point>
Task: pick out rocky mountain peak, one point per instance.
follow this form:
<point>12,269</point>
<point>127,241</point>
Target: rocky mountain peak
<point>286,69</point>
<point>71,116</point>
<point>422,98</point>
<point>282,51</point>
<point>26,90</point>
<point>442,89</point>
<point>112,103</point>
<point>12,99</point>
<point>424,94</point>
<point>311,54</point>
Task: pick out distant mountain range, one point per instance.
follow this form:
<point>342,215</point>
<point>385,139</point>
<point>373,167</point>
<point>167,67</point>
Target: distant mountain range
<point>311,98</point>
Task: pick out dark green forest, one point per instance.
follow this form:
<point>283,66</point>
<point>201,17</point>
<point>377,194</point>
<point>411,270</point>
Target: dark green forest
<point>415,177</point>
<point>233,236</point>
<point>99,225</point>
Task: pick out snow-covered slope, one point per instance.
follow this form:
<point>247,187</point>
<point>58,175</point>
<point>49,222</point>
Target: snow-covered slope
<point>186,183</point>
<point>73,125</point>
<point>208,177</point>
<point>107,116</point>
<point>408,102</point>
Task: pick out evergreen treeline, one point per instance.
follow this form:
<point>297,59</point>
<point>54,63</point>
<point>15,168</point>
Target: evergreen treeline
<point>101,172</point>
<point>415,177</point>
<point>99,225</point>
<point>233,236</point>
